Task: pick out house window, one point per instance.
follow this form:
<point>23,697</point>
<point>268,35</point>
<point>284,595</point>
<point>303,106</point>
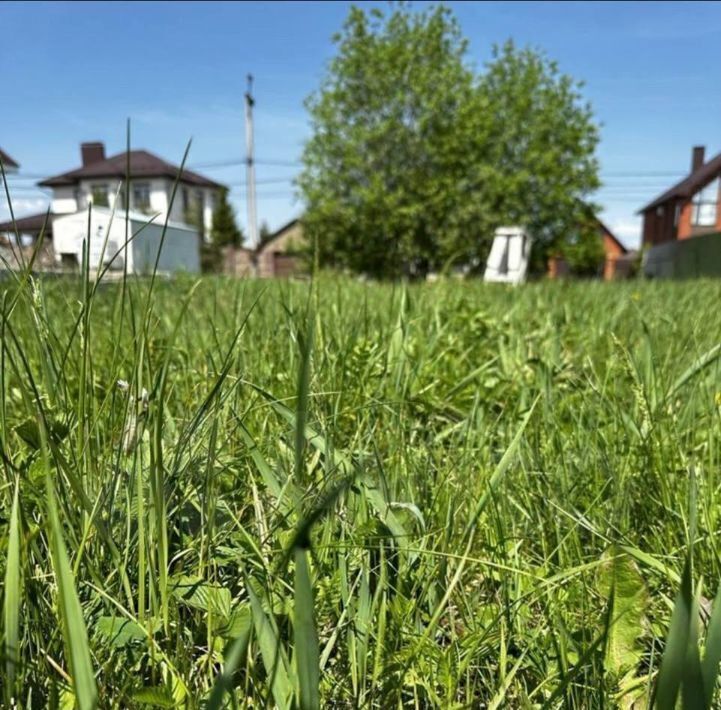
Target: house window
<point>704,205</point>
<point>676,215</point>
<point>193,209</point>
<point>659,211</point>
<point>201,218</point>
<point>99,195</point>
<point>141,196</point>
<point>187,207</point>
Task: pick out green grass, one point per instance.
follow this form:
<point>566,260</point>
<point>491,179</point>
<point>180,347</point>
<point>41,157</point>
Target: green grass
<point>443,495</point>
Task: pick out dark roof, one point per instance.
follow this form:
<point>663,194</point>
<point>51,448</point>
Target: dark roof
<point>7,161</point>
<point>28,225</point>
<point>696,180</point>
<point>142,164</point>
<point>612,236</point>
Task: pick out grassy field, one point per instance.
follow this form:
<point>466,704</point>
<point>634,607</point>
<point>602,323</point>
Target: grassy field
<point>243,493</point>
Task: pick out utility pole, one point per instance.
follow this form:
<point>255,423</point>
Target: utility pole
<point>250,166</point>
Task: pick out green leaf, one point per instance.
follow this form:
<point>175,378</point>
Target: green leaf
<point>274,658</point>
<point>237,624</point>
<point>29,432</point>
<point>13,596</point>
<point>71,613</point>
<point>120,631</point>
<point>628,613</point>
<point>199,594</point>
<point>712,657</point>
<point>692,688</point>
<point>158,697</point>
<point>671,672</point>
<point>306,639</point>
<point>224,681</point>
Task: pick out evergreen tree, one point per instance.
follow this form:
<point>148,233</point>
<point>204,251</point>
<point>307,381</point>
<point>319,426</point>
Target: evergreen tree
<point>224,230</point>
<point>264,232</point>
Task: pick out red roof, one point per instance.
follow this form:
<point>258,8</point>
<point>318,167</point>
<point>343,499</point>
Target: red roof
<point>142,164</point>
<point>689,185</point>
<point>7,161</point>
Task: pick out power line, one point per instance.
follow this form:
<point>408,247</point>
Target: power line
<point>651,173</point>
<point>234,162</point>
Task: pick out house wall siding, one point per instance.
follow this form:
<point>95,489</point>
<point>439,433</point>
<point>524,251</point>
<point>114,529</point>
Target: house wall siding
<point>65,199</point>
<point>659,228</point>
<point>238,261</point>
<point>180,247</point>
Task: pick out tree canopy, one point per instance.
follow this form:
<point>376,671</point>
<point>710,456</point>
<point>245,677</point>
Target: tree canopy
<point>415,158</point>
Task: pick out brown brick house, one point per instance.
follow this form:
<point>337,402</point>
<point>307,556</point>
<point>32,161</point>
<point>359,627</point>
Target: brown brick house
<point>689,208</point>
<point>618,261</point>
<point>238,261</point>
<point>280,253</point>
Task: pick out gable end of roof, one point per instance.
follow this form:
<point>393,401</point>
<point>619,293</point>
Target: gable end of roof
<point>689,185</point>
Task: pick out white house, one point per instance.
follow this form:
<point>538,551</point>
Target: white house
<point>100,181</point>
<point>104,232</point>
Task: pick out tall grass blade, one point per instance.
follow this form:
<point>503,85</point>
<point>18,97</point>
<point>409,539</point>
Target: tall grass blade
<point>13,596</point>
<point>274,659</point>
<point>712,655</point>
<point>307,655</point>
<point>224,681</point>
<point>70,611</point>
<point>671,672</point>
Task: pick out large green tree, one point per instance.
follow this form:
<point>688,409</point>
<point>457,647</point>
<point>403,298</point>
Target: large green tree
<point>541,149</point>
<point>415,158</point>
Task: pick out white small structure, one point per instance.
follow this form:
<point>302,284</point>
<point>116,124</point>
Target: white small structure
<point>107,247</point>
<point>509,256</point>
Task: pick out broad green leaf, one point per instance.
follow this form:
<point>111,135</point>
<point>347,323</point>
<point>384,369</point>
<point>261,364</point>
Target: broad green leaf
<point>199,594</point>
<point>620,573</point>
<point>158,697</point>
<point>120,631</point>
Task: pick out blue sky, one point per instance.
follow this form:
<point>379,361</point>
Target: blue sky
<point>75,72</point>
